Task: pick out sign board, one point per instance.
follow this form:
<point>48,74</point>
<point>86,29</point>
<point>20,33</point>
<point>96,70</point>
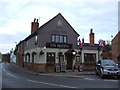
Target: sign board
<point>58,45</point>
<point>57,68</point>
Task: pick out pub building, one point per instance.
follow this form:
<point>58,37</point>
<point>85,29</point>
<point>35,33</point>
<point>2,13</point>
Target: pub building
<point>53,47</point>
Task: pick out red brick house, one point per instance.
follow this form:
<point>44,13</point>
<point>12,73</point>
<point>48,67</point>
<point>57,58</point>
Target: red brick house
<point>116,48</point>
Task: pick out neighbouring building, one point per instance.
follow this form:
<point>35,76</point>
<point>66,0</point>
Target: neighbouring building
<point>12,56</point>
<point>19,51</point>
<point>6,57</point>
<point>54,45</point>
<point>116,48</point>
<point>107,51</point>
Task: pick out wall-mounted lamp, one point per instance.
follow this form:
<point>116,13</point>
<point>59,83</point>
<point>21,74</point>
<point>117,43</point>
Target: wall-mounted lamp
<point>44,48</point>
<point>74,53</point>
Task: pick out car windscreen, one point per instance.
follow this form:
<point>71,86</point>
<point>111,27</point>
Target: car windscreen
<point>108,63</point>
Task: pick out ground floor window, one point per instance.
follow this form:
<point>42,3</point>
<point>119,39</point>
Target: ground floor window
<point>89,58</point>
<point>33,56</point>
<point>27,57</point>
<point>78,59</point>
<point>50,57</point>
<point>61,58</point>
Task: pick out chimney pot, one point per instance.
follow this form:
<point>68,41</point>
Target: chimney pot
<point>37,20</point>
<point>34,19</point>
<point>91,30</point>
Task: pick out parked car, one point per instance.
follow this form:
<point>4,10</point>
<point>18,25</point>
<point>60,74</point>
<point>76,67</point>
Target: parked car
<point>107,67</point>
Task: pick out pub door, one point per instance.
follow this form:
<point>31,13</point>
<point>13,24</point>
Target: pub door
<point>69,62</point>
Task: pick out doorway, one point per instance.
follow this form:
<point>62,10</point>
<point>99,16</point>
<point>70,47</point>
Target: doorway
<point>69,62</point>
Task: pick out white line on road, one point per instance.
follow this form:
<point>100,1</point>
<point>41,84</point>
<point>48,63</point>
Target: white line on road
<point>9,73</point>
<point>100,79</point>
<point>89,79</point>
<point>12,75</point>
<point>112,80</point>
<point>50,84</point>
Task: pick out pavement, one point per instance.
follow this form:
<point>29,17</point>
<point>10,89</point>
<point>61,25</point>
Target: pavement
<point>69,74</point>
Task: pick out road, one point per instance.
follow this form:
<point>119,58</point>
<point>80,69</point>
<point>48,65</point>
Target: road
<point>13,77</point>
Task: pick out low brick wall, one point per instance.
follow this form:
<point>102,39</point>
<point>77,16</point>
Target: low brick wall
<point>39,67</point>
<point>88,67</point>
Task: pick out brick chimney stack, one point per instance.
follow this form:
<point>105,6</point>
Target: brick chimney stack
<point>91,35</point>
<point>34,25</point>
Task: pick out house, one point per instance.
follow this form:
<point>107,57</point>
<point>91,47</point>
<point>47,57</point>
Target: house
<point>6,57</point>
<point>90,53</point>
<point>54,46</point>
<point>107,51</point>
<point>116,48</point>
<point>12,57</point>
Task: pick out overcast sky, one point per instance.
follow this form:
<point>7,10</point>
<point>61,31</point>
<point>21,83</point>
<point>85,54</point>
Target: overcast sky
<point>16,17</point>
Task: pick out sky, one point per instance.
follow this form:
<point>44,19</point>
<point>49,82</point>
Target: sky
<point>16,17</point>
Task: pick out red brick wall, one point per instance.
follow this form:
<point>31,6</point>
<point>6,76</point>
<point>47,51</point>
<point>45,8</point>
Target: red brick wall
<point>20,56</point>
<point>35,67</point>
<point>116,47</point>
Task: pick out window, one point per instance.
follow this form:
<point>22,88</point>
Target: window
<point>77,58</point>
<point>53,38</point>
<point>50,58</point>
<point>59,38</point>
<point>90,58</point>
<point>26,43</point>
<point>61,58</point>
<point>36,40</point>
<point>65,39</point>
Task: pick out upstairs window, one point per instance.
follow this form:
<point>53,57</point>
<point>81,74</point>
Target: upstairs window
<point>26,43</point>
<point>53,38</point>
<point>65,39</point>
<point>36,40</point>
<point>59,38</point>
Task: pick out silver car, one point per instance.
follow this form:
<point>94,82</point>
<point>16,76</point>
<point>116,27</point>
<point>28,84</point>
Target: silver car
<point>107,67</point>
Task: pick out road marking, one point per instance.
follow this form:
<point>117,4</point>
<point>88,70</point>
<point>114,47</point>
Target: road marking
<point>3,69</point>
<point>9,73</point>
<point>90,79</point>
<point>50,84</point>
<point>12,75</point>
<point>100,79</point>
<point>112,80</point>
